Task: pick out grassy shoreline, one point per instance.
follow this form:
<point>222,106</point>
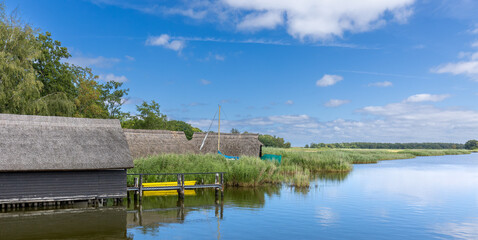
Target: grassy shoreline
<point>298,165</point>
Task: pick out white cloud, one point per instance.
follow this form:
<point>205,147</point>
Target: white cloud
<point>205,82</point>
<point>303,19</point>
<point>328,80</point>
<point>111,77</point>
<point>100,62</point>
<point>289,102</point>
<point>261,20</point>
<point>336,102</point>
<point>381,84</point>
<point>219,57</point>
<point>186,12</point>
<point>468,67</point>
<point>164,40</point>
<point>474,30</point>
<point>131,100</point>
<point>324,19</point>
<point>425,97</point>
<point>130,58</point>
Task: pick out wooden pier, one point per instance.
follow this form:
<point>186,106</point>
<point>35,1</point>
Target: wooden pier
<point>180,186</point>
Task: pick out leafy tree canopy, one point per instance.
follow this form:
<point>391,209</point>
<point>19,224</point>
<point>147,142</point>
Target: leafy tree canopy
<point>273,141</point>
<point>150,117</point>
<point>471,144</point>
<point>35,80</point>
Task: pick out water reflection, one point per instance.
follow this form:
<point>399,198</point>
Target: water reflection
<point>73,223</point>
<point>422,198</point>
<point>152,218</point>
<point>463,230</point>
<point>331,176</point>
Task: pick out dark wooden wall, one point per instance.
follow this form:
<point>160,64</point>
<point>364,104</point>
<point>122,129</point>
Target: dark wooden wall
<point>61,185</point>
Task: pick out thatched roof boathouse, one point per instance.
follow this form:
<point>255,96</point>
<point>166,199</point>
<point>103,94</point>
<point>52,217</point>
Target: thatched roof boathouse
<point>61,159</point>
<point>144,143</point>
<point>246,144</point>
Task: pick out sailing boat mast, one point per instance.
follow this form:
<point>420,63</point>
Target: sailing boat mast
<point>219,131</point>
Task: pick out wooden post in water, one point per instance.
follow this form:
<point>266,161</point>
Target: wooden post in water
<point>222,186</point>
<point>182,185</point>
<point>135,192</point>
<point>140,188</point>
<point>216,181</point>
<point>178,178</point>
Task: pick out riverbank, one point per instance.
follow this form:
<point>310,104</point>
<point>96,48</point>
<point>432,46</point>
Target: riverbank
<point>304,156</point>
<point>298,164</point>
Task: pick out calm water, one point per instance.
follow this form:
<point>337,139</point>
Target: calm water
<point>422,198</point>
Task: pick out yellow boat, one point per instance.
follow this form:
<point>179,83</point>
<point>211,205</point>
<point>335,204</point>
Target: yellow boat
<point>168,192</point>
<point>168,184</point>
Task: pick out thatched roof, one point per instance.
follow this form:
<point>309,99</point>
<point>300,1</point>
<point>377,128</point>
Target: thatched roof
<point>144,143</point>
<point>35,143</point>
<point>231,144</point>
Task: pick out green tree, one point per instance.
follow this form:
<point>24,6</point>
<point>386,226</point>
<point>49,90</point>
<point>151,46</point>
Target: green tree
<point>59,83</point>
<point>150,117</point>
<point>34,79</point>
<point>471,144</point>
<point>235,131</point>
<point>273,141</point>
<point>112,97</point>
<point>88,102</point>
<point>19,88</point>
<point>175,125</point>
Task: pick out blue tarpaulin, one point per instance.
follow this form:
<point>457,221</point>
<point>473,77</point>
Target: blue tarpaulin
<point>228,157</point>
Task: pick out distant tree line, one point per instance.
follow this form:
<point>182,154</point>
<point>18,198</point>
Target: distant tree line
<point>35,79</point>
<point>471,145</point>
<point>371,145</point>
<point>273,141</point>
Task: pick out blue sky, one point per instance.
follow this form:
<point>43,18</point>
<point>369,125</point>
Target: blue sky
<point>308,71</point>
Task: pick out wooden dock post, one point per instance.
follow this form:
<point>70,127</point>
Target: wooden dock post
<point>222,186</point>
<point>136,181</point>
<point>140,188</point>
<point>216,190</point>
<point>181,186</point>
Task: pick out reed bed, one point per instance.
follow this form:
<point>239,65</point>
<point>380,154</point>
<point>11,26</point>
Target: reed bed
<point>341,159</point>
<point>248,171</point>
<point>297,168</point>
